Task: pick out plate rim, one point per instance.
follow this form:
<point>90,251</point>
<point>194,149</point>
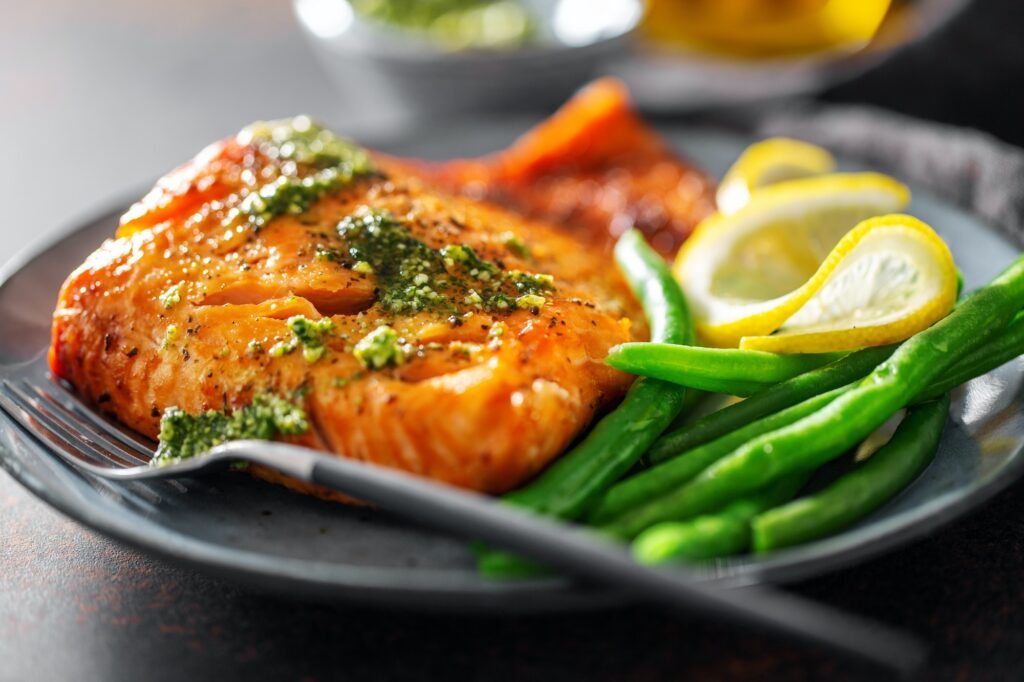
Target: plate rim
<point>377,585</point>
<point>417,588</point>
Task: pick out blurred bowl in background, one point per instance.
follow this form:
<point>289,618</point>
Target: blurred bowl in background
<point>391,76</point>
<point>687,78</point>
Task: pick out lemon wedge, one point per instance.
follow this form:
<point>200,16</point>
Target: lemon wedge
<point>768,162</point>
<point>887,279</point>
<point>747,274</point>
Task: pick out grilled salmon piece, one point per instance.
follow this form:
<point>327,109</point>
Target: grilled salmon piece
<point>425,332</point>
<point>594,167</point>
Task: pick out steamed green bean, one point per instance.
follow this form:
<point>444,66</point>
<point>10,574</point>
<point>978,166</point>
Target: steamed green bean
<point>711,536</point>
<point>574,481</point>
<point>720,370</point>
<point>780,396</point>
<point>815,439</point>
<point>860,491</point>
<point>670,475</point>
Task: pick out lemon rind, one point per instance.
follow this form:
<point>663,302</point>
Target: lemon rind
<point>878,192</point>
<point>911,322</point>
<point>754,169</point>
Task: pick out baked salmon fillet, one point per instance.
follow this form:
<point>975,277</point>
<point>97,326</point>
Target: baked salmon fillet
<point>286,272</point>
<point>594,168</point>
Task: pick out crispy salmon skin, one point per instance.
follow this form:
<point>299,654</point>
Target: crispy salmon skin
<point>475,361</point>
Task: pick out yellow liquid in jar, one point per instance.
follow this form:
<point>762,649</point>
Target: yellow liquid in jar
<point>764,28</point>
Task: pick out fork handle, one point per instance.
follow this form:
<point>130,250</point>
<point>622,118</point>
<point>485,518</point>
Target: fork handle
<point>586,555</point>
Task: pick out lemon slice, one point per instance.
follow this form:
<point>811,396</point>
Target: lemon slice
<point>886,280</point>
<point>747,273</point>
<point>768,162</point>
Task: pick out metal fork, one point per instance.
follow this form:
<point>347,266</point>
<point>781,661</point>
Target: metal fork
<point>51,414</point>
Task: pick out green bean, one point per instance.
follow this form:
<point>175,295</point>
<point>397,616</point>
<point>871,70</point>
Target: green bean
<point>720,370</point>
<point>666,477</point>
<point>817,438</point>
<point>698,539</point>
<point>504,565</point>
<point>617,442</point>
<point>566,488</point>
<point>860,491</point>
<point>692,398</point>
<point>1007,346</point>
<point>790,392</point>
<point>654,285</point>
<point>721,534</point>
<point>672,473</point>
<point>575,480</point>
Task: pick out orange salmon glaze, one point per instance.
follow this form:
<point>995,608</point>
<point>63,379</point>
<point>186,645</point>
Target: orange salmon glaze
<point>470,406</point>
<point>593,168</point>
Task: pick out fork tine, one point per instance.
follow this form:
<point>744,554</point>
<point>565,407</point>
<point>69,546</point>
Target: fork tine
<point>35,429</point>
<point>67,415</point>
<point>71,423</point>
<point>65,438</point>
<point>73,403</point>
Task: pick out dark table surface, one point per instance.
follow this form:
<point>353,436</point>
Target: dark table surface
<point>94,96</point>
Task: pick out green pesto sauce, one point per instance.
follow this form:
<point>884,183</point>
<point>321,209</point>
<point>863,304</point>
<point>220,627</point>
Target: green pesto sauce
<point>171,297</point>
<point>309,334</point>
<point>313,162</point>
<point>515,245</point>
<point>381,348</point>
<point>531,283</point>
<point>184,435</point>
<point>457,24</point>
<point>413,277</point>
<point>408,271</point>
<point>170,336</point>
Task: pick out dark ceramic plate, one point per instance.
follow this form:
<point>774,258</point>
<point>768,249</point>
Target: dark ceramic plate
<point>255,532</point>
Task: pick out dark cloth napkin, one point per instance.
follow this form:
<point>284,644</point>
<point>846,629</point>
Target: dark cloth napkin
<point>973,169</point>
